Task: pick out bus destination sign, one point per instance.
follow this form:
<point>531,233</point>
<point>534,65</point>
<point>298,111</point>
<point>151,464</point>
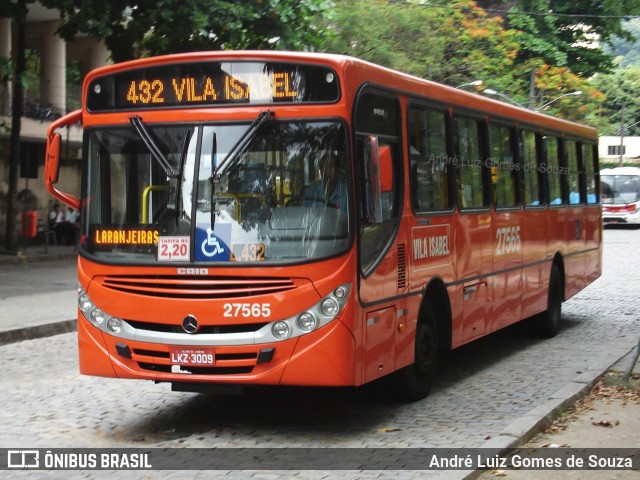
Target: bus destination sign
<point>184,85</point>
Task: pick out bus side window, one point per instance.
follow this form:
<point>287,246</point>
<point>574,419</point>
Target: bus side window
<point>428,159</point>
<point>590,174</point>
<point>573,173</point>
<point>553,171</point>
<point>504,170</point>
<point>470,163</point>
<point>531,178</point>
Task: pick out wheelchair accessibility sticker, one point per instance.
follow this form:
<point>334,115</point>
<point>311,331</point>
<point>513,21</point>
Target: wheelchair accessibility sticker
<point>213,246</point>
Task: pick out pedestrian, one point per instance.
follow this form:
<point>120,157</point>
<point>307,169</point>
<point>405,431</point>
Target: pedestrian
<point>64,231</point>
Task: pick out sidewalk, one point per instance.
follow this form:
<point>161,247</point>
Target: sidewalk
<point>606,416</point>
<point>38,315</point>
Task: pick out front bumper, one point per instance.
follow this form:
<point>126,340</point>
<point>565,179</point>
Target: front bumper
<point>325,357</point>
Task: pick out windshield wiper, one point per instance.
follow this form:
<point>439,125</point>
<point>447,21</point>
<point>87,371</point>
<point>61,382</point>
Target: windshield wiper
<point>183,158</point>
<point>156,153</point>
<point>213,179</point>
<point>242,142</point>
<point>233,155</point>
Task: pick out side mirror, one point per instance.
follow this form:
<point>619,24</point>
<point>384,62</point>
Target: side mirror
<point>52,159</point>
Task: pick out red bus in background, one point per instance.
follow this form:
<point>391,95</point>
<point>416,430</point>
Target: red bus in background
<point>307,219</point>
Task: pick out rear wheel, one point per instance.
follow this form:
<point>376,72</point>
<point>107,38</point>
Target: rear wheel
<point>414,381</point>
<point>549,322</point>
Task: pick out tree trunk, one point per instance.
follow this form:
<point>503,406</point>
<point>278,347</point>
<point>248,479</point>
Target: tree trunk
<point>11,238</point>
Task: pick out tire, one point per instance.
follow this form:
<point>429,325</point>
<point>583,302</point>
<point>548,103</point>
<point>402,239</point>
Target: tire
<point>549,322</point>
<point>414,381</point>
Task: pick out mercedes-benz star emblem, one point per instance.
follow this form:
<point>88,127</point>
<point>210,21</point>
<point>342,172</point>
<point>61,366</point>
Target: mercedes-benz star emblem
<point>190,324</point>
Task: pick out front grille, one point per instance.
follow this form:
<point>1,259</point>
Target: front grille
<point>197,370</point>
<point>196,286</point>
<point>215,329</point>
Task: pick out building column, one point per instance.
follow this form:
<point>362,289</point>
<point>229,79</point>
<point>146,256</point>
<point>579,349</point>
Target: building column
<point>5,51</point>
<point>99,54</point>
<point>53,64</point>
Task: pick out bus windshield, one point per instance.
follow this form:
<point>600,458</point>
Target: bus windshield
<point>620,189</point>
<point>161,196</point>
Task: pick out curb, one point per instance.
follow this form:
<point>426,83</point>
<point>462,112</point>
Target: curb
<point>38,331</point>
<point>23,257</point>
<point>536,420</point>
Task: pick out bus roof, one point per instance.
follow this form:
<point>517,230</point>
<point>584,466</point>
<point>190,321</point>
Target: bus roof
<point>354,69</point>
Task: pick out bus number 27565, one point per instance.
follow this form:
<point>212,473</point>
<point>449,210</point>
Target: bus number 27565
<point>247,310</point>
<point>508,240</point>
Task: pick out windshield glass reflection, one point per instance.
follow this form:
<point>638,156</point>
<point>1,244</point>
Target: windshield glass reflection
<point>284,197</point>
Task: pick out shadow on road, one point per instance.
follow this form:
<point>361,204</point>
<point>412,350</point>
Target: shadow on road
<point>327,412</point>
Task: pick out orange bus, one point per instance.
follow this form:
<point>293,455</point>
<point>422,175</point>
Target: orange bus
<point>307,219</point>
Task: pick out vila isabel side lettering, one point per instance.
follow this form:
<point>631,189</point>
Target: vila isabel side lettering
<point>430,247</point>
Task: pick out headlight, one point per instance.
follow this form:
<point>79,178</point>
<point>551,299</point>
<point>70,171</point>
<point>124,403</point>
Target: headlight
<point>114,325</point>
<point>307,322</point>
<point>84,302</point>
<point>315,317</point>
<point>96,316</point>
<point>329,307</point>
<point>281,330</point>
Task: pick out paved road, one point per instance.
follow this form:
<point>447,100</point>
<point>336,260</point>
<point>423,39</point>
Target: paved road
<point>482,390</point>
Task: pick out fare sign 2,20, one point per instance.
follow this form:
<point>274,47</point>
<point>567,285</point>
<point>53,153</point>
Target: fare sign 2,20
<point>173,249</point>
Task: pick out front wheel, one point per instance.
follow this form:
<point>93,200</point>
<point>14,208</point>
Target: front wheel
<point>414,381</point>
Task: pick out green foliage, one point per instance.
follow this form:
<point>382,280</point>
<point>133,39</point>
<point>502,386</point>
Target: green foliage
<point>554,87</point>
<point>452,45</point>
<point>627,52</point>
<point>566,33</point>
<point>620,88</point>
<point>153,27</point>
<point>456,42</point>
<point>449,41</point>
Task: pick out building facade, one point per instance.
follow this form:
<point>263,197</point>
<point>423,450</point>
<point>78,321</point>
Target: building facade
<point>56,69</point>
<point>611,149</point>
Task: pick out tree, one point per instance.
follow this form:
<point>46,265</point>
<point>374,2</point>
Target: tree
<point>627,52</point>
<point>452,45</point>
<point>555,87</point>
<point>18,12</point>
<point>152,27</point>
<point>620,89</point>
<point>566,33</point>
<point>457,42</point>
